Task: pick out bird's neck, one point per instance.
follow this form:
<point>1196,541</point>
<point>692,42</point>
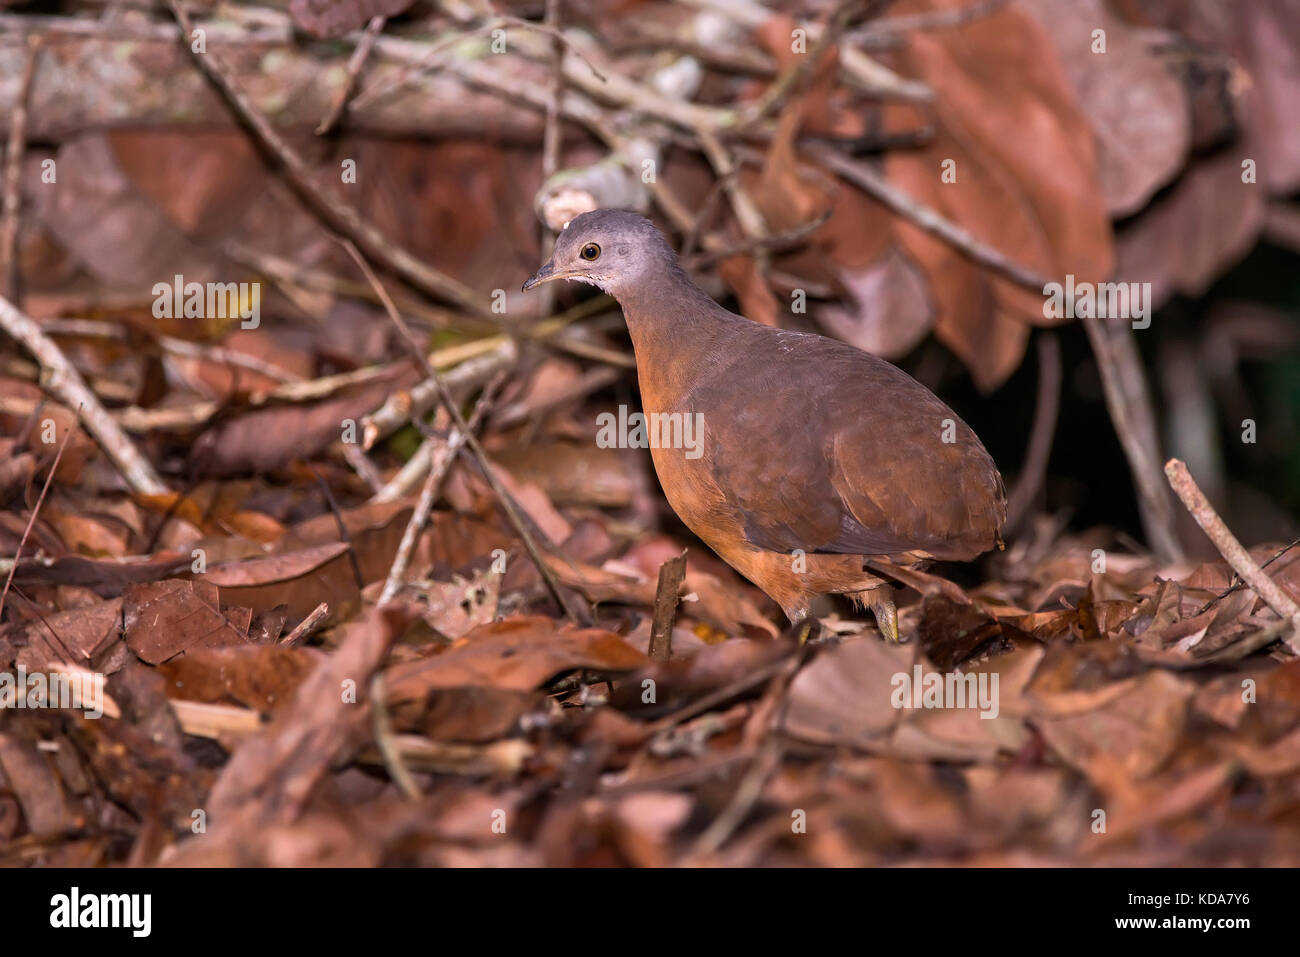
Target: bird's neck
<point>678,333</point>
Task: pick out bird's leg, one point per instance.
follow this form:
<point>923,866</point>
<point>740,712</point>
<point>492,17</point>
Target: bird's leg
<point>802,625</point>
<point>882,606</point>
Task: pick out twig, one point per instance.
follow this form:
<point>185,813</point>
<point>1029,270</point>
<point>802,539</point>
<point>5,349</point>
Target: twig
<point>789,79</point>
<point>17,145</point>
<point>775,242</point>
<point>344,535</point>
<point>1129,403</point>
<point>295,276</point>
<point>57,27</point>
<point>742,802</point>
<point>341,219</point>
<point>1039,449</point>
<point>929,20</point>
<point>223,721</point>
<point>355,63</point>
<point>708,211</point>
<point>228,357</point>
<point>1232,551</point>
<point>404,482</point>
<point>475,362</point>
<point>429,56</point>
<point>759,737</point>
<point>718,696</point>
<point>386,741</point>
<point>508,504</point>
<point>1237,584</point>
<point>551,142</point>
<point>747,212</point>
<point>32,519</point>
<point>439,465</point>
<point>671,575</point>
<point>64,382</point>
<point>307,626</point>
<point>361,464</point>
<point>872,182</point>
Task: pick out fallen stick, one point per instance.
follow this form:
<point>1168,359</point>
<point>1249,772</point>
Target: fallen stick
<point>440,464</point>
<point>1232,550</point>
<point>671,575</point>
<point>58,456</point>
<point>1039,448</point>
<point>342,219</point>
<point>355,63</point>
<point>232,723</point>
<point>307,626</point>
<point>507,502</point>
<point>875,185</point>
<point>428,57</point>
<point>1128,400</point>
<point>386,741</point>
<point>929,20</point>
<point>1237,584</point>
<point>64,382</point>
<point>790,79</point>
<point>476,362</point>
<point>17,145</point>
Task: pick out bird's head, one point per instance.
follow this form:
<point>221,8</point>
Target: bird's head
<point>610,248</point>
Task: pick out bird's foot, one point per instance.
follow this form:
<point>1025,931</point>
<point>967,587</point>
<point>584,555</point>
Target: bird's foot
<point>803,629</point>
<point>886,617</point>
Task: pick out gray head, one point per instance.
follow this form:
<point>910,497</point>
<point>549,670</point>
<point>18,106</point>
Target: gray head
<point>610,248</point>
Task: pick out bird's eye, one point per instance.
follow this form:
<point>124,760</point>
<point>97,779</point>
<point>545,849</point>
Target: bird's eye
<point>590,252</point>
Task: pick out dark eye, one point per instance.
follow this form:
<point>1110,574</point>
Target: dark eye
<point>590,252</point>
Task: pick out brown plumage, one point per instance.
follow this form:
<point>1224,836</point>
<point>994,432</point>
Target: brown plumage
<point>814,455</point>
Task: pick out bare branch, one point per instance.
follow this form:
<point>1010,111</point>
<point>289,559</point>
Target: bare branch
<point>61,380</point>
<point>1232,550</point>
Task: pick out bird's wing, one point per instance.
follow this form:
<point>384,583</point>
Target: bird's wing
<point>841,452</point>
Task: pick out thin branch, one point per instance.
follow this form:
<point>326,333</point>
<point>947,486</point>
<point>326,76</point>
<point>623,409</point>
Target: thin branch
<point>508,504</point>
<point>429,56</point>
<point>929,20</point>
<point>1128,401</point>
<point>793,76</point>
<point>1237,584</point>
<point>341,219</point>
<point>355,63</point>
<point>1039,449</point>
<point>22,542</point>
<point>667,594</point>
<point>747,212</point>
<point>872,182</point>
<point>1232,551</point>
<point>307,626</point>
<point>386,741</point>
<point>17,145</point>
<point>551,135</point>
<point>344,535</point>
<point>61,380</point>
<point>218,354</point>
<point>439,465</point>
<point>776,242</point>
<point>475,362</point>
<point>360,463</point>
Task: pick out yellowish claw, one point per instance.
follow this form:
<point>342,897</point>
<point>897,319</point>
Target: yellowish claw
<point>886,619</point>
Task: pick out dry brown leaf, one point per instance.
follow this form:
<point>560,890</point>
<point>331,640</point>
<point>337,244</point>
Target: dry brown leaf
<point>519,653</point>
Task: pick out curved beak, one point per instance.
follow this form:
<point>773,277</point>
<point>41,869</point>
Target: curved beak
<point>545,274</point>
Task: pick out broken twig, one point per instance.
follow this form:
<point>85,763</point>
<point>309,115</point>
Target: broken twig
<point>60,379</point>
<point>671,575</point>
<point>1232,550</point>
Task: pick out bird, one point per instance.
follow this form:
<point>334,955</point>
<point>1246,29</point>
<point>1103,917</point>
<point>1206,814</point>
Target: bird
<point>817,463</point>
